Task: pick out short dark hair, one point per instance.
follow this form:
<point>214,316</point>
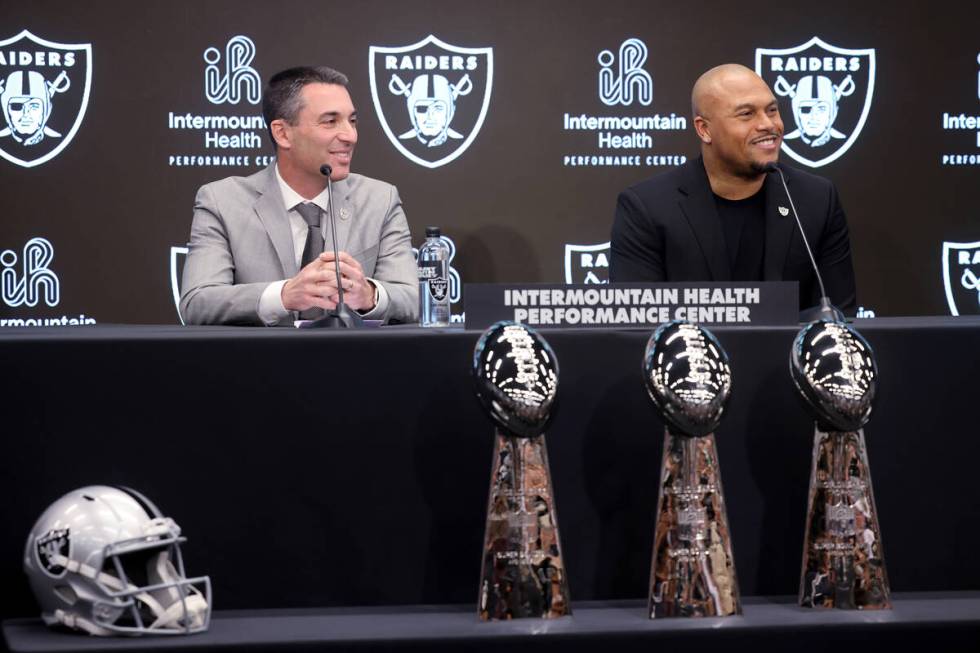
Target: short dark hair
<point>281,99</point>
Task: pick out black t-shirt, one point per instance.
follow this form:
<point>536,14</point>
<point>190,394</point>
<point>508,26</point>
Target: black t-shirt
<point>743,223</point>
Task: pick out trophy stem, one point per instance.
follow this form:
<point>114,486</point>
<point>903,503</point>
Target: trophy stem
<point>843,560</point>
<point>693,570</point>
<point>523,573</point>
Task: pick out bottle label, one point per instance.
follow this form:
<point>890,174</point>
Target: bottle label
<point>438,288</point>
<point>428,270</point>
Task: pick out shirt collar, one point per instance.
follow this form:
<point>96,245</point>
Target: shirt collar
<point>291,198</point>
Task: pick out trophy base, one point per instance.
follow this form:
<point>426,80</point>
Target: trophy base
<point>843,561</point>
<point>693,570</point>
<point>523,573</point>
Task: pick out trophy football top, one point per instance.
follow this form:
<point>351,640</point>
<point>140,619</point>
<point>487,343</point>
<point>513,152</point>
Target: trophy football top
<point>834,369</point>
<point>515,374</point>
<point>688,377</point>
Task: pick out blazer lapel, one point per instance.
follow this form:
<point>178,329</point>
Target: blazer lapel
<point>272,213</point>
<point>698,205</point>
<point>779,227</point>
<point>343,213</point>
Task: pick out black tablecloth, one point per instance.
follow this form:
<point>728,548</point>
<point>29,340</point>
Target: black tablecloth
<point>949,622</point>
<point>319,469</point>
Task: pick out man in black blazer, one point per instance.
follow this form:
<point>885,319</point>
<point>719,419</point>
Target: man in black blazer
<point>721,217</point>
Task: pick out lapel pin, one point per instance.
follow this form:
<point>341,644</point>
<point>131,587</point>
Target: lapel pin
<point>783,211</point>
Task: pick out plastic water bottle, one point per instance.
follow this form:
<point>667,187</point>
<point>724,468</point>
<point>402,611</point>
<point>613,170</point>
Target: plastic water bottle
<point>433,280</point>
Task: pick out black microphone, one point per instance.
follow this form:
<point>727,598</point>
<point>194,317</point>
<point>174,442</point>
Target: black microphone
<point>341,316</point>
<point>826,309</point>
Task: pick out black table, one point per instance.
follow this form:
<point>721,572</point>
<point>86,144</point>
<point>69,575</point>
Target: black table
<point>364,482</point>
<point>944,622</point>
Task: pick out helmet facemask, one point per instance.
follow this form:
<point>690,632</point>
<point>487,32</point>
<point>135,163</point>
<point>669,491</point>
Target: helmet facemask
<point>149,590</point>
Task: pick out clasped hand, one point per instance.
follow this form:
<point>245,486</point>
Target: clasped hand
<point>316,285</point>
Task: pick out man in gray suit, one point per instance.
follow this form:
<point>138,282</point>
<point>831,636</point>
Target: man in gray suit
<point>256,242</point>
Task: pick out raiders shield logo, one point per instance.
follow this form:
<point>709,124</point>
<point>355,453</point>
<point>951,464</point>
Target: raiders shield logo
<point>431,97</point>
<point>825,95</point>
<point>44,89</point>
<point>438,288</point>
<point>587,263</point>
<point>51,550</point>
<point>177,256</point>
<point>961,277</point>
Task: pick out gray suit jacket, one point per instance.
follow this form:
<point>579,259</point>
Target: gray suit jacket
<point>241,241</point>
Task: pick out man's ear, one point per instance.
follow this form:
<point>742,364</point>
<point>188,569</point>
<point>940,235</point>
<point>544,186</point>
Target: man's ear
<point>280,132</point>
<point>701,126</point>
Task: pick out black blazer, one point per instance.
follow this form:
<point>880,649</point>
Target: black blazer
<point>667,229</point>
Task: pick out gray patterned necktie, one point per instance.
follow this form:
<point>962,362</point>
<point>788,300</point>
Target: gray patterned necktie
<point>313,248</point>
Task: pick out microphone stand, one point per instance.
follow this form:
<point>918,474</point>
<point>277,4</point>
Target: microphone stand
<point>825,311</point>
<point>341,316</point>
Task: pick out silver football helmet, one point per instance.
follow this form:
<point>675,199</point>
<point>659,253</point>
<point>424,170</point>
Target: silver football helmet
<point>105,561</point>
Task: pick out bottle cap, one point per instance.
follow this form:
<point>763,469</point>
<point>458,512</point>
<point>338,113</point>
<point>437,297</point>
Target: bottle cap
<point>432,232</point>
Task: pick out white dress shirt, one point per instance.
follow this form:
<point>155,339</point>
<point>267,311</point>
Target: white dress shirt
<point>271,310</point>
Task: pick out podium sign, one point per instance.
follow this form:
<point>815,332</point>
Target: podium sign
<point>766,303</point>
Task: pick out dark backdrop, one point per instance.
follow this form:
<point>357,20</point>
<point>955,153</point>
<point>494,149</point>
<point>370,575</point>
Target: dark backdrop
<point>112,206</point>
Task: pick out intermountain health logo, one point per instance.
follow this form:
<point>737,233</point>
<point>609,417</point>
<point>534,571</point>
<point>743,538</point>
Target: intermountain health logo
<point>967,122</point>
<point>622,131</point>
<point>231,132</point>
<point>431,97</point>
<point>26,279</point>
<point>629,80</point>
<point>234,79</point>
<point>44,90</point>
<point>826,90</point>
